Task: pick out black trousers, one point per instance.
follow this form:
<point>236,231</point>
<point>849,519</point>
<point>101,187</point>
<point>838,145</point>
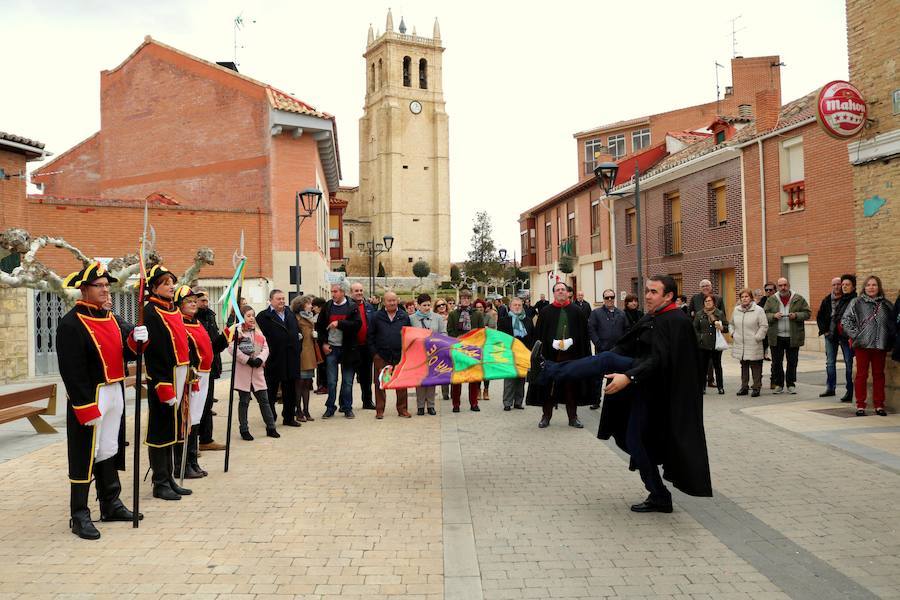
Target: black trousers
<point>288,398</point>
<point>711,360</point>
<point>206,421</point>
<point>364,373</point>
<point>780,377</point>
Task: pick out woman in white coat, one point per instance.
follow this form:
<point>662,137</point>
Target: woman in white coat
<point>749,328</point>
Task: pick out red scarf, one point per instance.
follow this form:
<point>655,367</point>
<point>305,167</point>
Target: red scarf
<point>784,299</point>
<point>563,305</point>
<point>364,329</point>
<point>667,308</point>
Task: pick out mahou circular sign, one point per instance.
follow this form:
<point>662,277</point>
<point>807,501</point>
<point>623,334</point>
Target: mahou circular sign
<point>840,109</point>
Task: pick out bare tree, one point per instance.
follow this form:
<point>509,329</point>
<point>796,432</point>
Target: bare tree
<point>32,273</point>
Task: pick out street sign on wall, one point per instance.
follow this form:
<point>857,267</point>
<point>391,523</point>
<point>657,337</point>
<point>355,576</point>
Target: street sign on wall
<point>841,110</point>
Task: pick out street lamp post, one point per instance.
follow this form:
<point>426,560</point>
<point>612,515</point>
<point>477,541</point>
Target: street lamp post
<point>373,249</point>
<point>606,177</point>
<point>309,199</point>
<point>515,280</point>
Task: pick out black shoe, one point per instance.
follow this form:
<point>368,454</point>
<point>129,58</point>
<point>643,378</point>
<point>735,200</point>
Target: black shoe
<point>120,513</point>
<point>507,408</point>
<point>328,413</point>
<point>291,423</point>
<point>455,409</point>
<point>861,412</point>
<point>721,391</point>
<point>368,405</point>
<point>595,406</point>
<point>754,394</point>
<point>272,433</point>
<point>475,409</point>
<point>880,412</point>
<point>164,492</point>
<point>827,394</point>
<point>742,392</point>
<point>349,414</point>
<point>576,424</point>
<point>646,507</point>
<point>848,397</point>
<point>537,363</point>
<point>431,411</point>
<point>181,491</point>
<point>519,407</point>
<point>108,489</point>
<point>245,435</point>
<point>84,528</point>
<point>191,473</point>
<point>545,422</point>
<point>421,412</point>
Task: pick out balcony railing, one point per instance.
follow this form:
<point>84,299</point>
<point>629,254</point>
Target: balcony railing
<point>796,195</point>
<point>670,238</point>
<point>567,246</point>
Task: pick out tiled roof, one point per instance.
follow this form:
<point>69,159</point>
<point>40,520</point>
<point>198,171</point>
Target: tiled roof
<point>286,102</point>
<point>688,137</point>
<point>21,140</point>
<point>616,125</point>
<point>154,198</point>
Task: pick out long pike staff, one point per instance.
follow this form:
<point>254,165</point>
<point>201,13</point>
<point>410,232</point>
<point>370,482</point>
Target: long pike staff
<point>185,413</point>
<point>146,245</point>
<point>229,298</point>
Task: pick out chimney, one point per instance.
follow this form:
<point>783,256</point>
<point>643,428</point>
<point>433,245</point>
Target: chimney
<point>745,111</point>
<point>768,105</point>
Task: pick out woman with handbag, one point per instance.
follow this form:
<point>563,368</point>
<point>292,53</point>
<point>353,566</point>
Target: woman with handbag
<point>868,323</point>
<point>709,324</point>
<point>310,354</point>
<point>749,327</point>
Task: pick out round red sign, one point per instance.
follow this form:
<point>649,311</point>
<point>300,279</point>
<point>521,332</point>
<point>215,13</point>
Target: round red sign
<point>840,109</point>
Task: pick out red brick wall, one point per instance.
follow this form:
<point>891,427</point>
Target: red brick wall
<point>824,230</point>
<point>175,125</point>
<point>294,165</point>
<point>12,191</point>
<point>704,249</point>
<point>115,231</point>
<point>76,171</point>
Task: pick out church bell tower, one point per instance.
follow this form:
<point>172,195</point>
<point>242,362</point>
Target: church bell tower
<point>404,182</point>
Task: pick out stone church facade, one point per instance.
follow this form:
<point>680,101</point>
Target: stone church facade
<point>404,180</point>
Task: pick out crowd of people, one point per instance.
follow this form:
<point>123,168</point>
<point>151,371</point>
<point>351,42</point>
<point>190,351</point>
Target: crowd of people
<point>289,353</point>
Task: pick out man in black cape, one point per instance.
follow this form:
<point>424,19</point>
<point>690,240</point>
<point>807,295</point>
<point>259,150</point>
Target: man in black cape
<point>654,409</point>
<point>562,330</point>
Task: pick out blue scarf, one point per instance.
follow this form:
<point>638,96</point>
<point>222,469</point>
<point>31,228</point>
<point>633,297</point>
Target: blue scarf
<point>425,318</point>
<point>518,324</point>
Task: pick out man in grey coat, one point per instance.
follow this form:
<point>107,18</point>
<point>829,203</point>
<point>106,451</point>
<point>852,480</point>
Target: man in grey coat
<point>606,325</point>
<point>786,312</point>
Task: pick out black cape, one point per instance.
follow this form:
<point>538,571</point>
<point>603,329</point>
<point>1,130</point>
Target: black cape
<point>668,387</point>
<point>545,331</point>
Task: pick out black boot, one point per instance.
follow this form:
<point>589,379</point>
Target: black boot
<point>80,522</point>
<point>848,397</point>
<point>159,462</point>
<point>108,490</point>
<point>181,491</point>
<point>193,468</point>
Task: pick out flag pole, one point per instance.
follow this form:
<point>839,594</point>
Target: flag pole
<point>234,351</point>
<point>138,376</point>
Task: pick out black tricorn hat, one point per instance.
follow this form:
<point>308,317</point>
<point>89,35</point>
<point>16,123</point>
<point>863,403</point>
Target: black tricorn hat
<point>92,272</point>
<point>182,292</point>
<point>156,273</point>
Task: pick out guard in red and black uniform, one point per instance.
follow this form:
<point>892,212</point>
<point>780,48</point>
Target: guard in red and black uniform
<point>168,363</point>
<point>205,352</point>
<point>92,351</point>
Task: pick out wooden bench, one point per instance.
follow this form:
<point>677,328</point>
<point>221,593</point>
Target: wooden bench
<point>16,405</point>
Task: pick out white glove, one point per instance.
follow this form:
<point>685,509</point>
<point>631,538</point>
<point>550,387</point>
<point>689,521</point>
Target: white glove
<point>93,422</point>
<point>172,401</point>
<point>567,343</point>
<point>139,334</point>
<point>315,334</point>
<point>300,335</point>
<point>557,344</point>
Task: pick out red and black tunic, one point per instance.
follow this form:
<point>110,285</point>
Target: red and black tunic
<point>169,347</point>
<point>205,348</point>
<point>92,351</point>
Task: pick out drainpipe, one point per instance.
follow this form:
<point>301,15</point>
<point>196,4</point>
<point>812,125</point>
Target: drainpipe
<point>762,209</point>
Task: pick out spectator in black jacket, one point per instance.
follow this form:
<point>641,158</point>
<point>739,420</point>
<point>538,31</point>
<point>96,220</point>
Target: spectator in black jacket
<point>385,345</point>
<point>336,329</point>
<point>518,324</point>
<point>606,325</point>
<point>207,318</point>
<point>581,304</point>
<point>279,326</point>
<point>828,320</point>
<point>768,290</point>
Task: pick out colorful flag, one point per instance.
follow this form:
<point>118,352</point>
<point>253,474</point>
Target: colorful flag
<point>229,298</point>
<point>430,359</point>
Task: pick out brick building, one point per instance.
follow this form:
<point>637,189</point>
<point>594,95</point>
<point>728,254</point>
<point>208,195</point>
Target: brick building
<point>576,221</point>
<point>872,33</point>
<point>219,152</point>
<point>17,353</point>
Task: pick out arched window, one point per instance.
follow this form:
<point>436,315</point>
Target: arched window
<point>380,73</point>
<point>372,78</point>
<point>407,64</point>
<point>423,74</point>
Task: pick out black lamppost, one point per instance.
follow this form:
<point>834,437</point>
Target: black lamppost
<point>515,280</point>
<point>309,199</point>
<point>373,249</point>
<point>606,176</point>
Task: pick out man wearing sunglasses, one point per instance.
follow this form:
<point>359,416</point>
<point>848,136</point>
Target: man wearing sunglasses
<point>606,325</point>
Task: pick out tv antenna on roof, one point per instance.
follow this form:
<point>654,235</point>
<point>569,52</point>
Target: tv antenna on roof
<point>734,32</point>
<point>718,107</point>
<point>238,25</point>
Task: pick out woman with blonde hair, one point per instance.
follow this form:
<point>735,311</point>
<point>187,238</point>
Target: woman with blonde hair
<point>749,327</point>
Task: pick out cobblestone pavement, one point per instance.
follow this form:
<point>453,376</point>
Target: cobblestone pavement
<point>482,505</point>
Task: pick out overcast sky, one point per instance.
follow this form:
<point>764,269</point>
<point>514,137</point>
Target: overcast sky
<point>518,81</point>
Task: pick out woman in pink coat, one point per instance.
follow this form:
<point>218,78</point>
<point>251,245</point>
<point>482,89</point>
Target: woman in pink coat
<point>252,352</point>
